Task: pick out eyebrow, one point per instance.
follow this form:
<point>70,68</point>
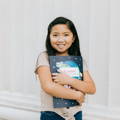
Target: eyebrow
<point>58,32</point>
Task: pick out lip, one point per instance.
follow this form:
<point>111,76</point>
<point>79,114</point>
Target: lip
<point>60,46</point>
<point>60,43</point>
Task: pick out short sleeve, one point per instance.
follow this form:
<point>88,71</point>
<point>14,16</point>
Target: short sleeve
<point>42,60</point>
<point>85,66</point>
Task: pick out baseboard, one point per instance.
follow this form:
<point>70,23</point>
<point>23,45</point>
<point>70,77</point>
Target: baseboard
<point>16,106</point>
<point>99,112</point>
<point>20,107</point>
<point>20,101</point>
<point>18,114</point>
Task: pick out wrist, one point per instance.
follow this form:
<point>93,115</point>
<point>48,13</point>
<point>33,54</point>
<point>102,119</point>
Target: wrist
<point>71,80</point>
<point>78,95</point>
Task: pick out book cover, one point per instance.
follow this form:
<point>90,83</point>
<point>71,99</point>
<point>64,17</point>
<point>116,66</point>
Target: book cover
<point>70,65</point>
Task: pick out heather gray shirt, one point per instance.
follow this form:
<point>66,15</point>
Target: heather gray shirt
<point>46,100</point>
<point>43,61</point>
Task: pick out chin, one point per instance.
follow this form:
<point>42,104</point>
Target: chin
<point>61,51</point>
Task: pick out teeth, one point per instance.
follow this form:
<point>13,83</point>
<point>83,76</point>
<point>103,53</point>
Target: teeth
<point>61,46</point>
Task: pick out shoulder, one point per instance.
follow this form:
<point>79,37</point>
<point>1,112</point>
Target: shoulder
<point>42,60</point>
<point>43,54</point>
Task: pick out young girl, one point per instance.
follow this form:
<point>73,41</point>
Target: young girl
<point>62,40</point>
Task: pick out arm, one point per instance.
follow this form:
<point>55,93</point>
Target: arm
<point>85,86</point>
<point>55,89</point>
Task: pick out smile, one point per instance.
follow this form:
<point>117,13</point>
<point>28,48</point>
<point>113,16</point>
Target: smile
<point>60,45</point>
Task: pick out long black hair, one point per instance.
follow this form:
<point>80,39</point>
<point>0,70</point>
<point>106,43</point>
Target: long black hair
<point>74,49</point>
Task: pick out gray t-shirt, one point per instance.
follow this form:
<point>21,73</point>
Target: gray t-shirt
<point>46,100</point>
<point>43,61</point>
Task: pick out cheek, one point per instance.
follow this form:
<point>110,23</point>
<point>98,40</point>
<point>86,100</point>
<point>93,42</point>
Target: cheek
<point>53,43</point>
<point>69,41</point>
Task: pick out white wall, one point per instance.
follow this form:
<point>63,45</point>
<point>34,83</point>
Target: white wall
<point>23,28</point>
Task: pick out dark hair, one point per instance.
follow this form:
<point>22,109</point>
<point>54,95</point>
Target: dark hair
<point>74,49</point>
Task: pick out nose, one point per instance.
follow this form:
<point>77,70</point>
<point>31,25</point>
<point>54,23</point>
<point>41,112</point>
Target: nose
<point>61,39</point>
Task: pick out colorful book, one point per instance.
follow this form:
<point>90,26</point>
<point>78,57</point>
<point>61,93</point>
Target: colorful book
<point>70,65</point>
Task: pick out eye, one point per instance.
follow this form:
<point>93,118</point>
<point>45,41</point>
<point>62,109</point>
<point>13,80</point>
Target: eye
<point>55,35</point>
<point>66,35</point>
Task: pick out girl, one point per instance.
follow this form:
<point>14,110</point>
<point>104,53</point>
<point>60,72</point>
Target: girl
<point>62,40</point>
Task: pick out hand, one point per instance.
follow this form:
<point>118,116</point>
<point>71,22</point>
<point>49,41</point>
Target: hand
<point>61,78</point>
<point>81,97</point>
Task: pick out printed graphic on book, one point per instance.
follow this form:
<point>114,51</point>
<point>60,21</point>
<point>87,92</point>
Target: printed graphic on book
<point>70,65</point>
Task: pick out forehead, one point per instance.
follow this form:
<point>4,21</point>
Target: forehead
<point>60,28</point>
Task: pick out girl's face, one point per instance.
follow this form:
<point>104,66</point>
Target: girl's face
<point>61,38</point>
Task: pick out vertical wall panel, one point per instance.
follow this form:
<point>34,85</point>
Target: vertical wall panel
<point>98,49</point>
<point>80,16</point>
<point>114,64</point>
<point>16,38</point>
<point>4,45</point>
<point>32,42</point>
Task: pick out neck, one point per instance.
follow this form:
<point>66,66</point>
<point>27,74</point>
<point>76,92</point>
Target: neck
<point>62,54</point>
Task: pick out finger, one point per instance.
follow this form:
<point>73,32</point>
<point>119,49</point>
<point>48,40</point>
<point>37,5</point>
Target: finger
<point>59,70</point>
<point>54,77</point>
<point>56,81</point>
<point>54,74</point>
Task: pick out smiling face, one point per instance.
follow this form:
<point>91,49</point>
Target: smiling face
<point>61,39</point>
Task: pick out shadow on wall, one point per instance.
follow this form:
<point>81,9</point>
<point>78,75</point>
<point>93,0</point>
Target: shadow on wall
<point>2,119</point>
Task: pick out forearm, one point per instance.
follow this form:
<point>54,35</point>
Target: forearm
<point>85,87</point>
<point>57,90</point>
